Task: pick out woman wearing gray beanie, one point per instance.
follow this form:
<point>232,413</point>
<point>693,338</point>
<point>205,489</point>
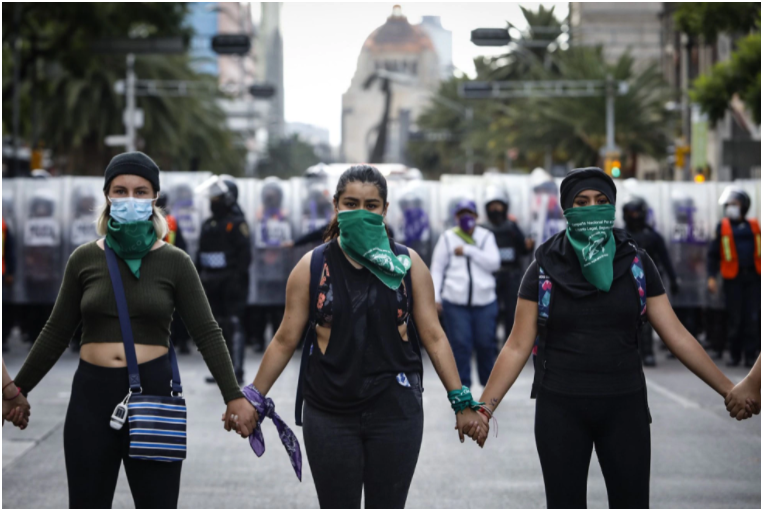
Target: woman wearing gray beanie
<point>156,278</point>
<point>580,306</point>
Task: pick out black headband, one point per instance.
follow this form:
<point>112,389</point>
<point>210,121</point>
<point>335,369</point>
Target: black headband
<point>581,179</point>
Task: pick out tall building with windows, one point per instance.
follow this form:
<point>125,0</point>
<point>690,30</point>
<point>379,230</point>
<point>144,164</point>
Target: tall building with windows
<point>410,57</point>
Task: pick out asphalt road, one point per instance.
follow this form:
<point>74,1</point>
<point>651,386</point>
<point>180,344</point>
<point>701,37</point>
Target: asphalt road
<point>701,458</point>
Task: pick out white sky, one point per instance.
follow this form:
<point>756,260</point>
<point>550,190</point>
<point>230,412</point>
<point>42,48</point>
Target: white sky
<point>322,41</point>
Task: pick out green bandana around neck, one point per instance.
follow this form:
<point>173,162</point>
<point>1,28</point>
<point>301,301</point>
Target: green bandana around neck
<point>131,242</point>
<point>364,239</point>
<point>463,235</point>
<point>590,232</point>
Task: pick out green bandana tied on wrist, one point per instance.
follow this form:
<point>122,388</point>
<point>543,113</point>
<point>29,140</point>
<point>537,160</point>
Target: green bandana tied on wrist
<point>131,242</point>
<point>364,239</point>
<point>590,232</point>
<point>461,399</point>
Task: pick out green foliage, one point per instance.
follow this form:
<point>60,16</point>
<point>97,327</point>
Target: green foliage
<point>288,157</point>
<point>573,129</point>
<point>75,86</point>
<point>740,75</point>
<point>710,18</point>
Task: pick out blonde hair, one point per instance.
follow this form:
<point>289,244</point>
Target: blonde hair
<point>158,219</point>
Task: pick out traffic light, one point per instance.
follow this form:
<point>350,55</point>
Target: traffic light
<point>613,166</point>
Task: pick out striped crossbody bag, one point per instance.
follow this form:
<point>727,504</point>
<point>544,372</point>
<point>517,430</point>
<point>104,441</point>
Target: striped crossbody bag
<point>157,424</point>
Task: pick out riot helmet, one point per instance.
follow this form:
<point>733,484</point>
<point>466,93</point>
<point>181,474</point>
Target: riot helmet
<point>223,193</point>
<point>635,214</point>
<point>736,203</point>
<point>494,197</point>
<point>272,195</point>
<point>163,201</point>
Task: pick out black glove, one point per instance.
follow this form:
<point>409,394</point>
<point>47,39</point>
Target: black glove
<point>674,288</point>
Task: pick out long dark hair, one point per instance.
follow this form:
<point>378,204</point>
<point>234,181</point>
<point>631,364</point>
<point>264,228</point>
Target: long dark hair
<point>359,173</point>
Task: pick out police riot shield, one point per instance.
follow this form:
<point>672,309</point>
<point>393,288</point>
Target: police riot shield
<point>455,188</point>
<point>546,214</point>
<point>516,188</point>
<point>688,223</point>
<point>273,236</point>
<point>315,199</point>
<point>12,247</point>
<point>83,201</point>
<point>187,207</point>
<point>653,193</point>
<point>41,266</point>
<point>408,215</point>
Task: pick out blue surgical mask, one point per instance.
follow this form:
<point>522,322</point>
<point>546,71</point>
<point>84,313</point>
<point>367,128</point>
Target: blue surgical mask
<point>130,210</point>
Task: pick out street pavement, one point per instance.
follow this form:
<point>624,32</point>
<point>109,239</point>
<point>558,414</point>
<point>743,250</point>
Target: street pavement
<point>700,457</point>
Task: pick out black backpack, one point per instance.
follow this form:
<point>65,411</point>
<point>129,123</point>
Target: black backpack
<point>315,272</point>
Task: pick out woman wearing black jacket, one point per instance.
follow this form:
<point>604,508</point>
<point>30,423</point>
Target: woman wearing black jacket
<point>589,383</point>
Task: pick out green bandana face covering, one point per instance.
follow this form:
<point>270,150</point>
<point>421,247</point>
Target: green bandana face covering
<point>590,232</point>
<point>131,242</point>
<point>364,239</point>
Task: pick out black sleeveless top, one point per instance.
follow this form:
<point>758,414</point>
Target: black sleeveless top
<point>365,352</point>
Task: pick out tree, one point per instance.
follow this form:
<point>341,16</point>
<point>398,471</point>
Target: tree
<point>76,85</point>
<point>741,74</point>
<point>287,157</point>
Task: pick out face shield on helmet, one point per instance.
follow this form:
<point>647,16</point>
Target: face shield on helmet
<point>735,202</point>
<point>635,214</point>
<point>221,190</point>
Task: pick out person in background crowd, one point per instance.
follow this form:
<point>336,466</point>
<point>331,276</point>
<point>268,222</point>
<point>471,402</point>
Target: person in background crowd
<point>513,246</point>
<point>581,303</point>
<point>463,265</point>
<point>224,254</point>
<point>736,252</point>
<point>174,237</point>
<point>635,218</point>
<point>9,270</point>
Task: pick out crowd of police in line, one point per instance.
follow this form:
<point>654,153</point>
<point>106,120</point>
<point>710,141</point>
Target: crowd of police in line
<point>224,256</point>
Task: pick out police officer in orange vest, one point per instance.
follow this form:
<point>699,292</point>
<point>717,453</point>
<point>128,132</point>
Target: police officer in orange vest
<point>736,253</point>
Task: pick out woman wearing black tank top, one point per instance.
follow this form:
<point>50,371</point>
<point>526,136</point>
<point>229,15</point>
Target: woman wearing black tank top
<point>363,411</point>
<point>589,383</point>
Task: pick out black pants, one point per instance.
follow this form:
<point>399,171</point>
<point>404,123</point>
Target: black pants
<point>508,284</point>
<point>258,318</point>
<point>227,296</point>
<point>94,451</point>
<point>618,427</point>
<point>742,301</point>
<point>376,449</point>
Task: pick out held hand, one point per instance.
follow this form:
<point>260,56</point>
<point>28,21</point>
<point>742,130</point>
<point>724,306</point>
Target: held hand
<point>469,423</point>
<point>241,416</point>
<point>529,243</point>
<point>459,251</point>
<point>744,399</point>
<point>712,285</point>
<point>17,410</point>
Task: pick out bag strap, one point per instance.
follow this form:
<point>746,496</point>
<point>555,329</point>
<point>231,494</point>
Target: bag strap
<point>400,249</point>
<point>315,271</point>
<point>544,305</point>
<point>126,329</point>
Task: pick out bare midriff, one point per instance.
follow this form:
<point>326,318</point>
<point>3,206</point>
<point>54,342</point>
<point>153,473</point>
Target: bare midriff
<point>111,355</point>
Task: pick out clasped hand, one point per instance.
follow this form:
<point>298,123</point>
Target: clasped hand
<point>17,411</point>
<point>240,416</point>
<point>744,400</point>
<point>473,424</point>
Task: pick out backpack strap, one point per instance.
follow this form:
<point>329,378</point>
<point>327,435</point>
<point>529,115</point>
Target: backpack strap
<point>315,271</point>
<point>638,271</point>
<point>544,307</point>
<point>400,249</point>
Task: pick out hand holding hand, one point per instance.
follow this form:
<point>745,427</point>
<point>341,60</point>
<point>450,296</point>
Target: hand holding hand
<point>459,251</point>
<point>470,423</point>
<point>712,285</point>
<point>241,416</point>
<point>16,410</point>
<point>744,400</point>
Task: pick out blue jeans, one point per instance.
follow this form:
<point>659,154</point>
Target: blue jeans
<point>469,327</point>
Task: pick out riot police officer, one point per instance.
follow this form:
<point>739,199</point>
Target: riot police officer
<point>635,218</point>
<point>736,252</point>
<point>224,255</point>
<point>513,246</point>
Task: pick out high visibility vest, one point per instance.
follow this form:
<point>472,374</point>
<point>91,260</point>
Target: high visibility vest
<point>730,265</point>
<point>171,236</point>
<point>5,230</point>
